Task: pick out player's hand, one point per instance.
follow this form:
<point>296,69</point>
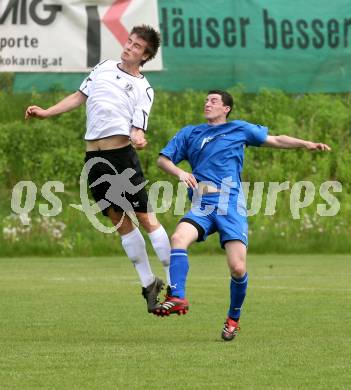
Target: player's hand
<point>188,179</point>
<point>317,146</point>
<point>35,112</point>
<point>137,138</point>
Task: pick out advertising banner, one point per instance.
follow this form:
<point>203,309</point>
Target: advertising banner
<point>294,46</point>
<point>69,36</point>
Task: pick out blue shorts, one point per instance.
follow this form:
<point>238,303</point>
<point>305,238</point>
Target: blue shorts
<point>230,223</point>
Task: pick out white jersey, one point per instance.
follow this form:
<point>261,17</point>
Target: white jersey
<point>117,101</point>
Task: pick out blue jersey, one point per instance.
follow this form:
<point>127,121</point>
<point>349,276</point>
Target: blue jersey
<point>215,152</point>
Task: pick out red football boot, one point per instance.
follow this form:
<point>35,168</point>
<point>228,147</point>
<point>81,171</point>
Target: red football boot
<point>230,329</point>
<point>172,305</point>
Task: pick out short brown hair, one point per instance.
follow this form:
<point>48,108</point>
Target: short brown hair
<point>151,37</point>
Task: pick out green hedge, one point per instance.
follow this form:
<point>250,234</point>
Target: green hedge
<point>53,150</point>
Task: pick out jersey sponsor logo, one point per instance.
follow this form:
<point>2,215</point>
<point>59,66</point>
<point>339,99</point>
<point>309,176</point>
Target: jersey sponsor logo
<point>206,140</point>
<point>128,88</point>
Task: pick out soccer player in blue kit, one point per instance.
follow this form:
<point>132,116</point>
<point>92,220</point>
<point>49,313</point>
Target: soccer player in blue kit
<point>215,152</point>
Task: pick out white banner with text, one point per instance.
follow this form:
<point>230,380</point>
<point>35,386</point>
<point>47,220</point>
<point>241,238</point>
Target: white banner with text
<point>69,35</point>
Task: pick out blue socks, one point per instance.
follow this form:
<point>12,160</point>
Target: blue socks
<point>237,295</point>
<point>178,272</point>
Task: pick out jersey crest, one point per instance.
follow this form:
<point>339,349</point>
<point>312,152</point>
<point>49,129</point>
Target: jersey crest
<point>206,140</point>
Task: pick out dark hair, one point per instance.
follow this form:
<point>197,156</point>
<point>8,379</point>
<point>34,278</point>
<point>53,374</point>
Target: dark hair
<point>227,98</point>
<point>151,37</point>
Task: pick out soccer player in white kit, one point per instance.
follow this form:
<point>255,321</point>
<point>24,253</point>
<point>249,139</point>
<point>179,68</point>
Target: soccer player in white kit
<point>118,101</point>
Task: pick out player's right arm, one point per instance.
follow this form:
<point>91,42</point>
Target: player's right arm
<point>169,167</point>
<point>67,104</point>
<point>173,153</point>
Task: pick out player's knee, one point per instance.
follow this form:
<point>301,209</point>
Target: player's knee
<point>148,221</point>
<point>115,220</point>
<point>179,240</point>
<point>238,269</point>
<point>124,226</point>
<point>114,216</point>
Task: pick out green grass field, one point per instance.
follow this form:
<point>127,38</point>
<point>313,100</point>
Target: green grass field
<point>81,323</point>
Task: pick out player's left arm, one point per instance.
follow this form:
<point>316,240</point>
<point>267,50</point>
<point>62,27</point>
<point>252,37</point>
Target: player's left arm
<point>287,142</point>
<point>137,137</point>
<point>140,119</point>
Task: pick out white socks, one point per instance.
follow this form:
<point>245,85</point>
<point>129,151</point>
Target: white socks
<point>160,242</point>
<point>134,246</point>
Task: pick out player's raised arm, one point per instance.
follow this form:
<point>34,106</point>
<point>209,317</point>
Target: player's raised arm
<point>67,104</point>
<point>286,142</point>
